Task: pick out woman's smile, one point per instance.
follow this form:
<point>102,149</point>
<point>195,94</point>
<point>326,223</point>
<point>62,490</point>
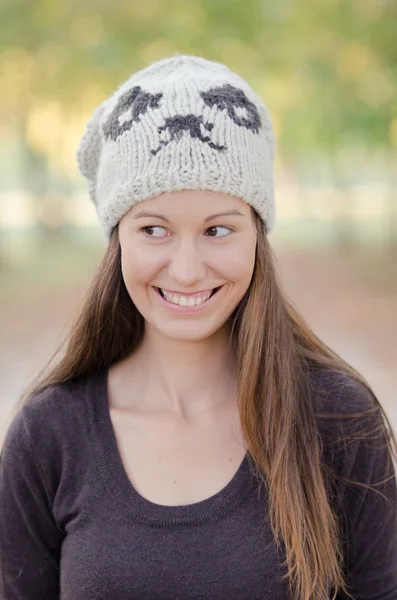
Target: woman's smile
<point>186,303</point>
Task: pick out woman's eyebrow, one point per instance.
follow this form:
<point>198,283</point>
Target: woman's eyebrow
<point>150,215</point>
<point>230,213</point>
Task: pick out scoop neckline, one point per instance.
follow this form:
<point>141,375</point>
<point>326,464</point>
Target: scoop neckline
<point>123,493</point>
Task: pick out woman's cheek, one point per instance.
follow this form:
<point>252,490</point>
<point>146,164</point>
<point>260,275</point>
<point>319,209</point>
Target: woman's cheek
<point>238,265</point>
<point>140,268</point>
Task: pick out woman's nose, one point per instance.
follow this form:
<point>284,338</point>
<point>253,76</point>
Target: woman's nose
<point>186,264</point>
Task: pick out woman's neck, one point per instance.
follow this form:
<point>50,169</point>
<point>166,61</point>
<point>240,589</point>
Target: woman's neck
<point>183,377</point>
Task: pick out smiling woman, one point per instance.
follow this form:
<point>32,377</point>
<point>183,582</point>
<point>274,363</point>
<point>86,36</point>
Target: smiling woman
<point>186,264</point>
<point>196,439</point>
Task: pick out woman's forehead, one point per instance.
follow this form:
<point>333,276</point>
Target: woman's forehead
<point>191,203</point>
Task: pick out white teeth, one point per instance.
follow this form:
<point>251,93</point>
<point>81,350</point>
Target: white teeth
<point>186,300</point>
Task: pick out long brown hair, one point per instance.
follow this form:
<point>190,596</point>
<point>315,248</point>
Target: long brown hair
<point>275,350</point>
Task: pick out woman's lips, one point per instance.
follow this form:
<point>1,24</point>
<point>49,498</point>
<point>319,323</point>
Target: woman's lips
<point>184,309</point>
<point>187,294</point>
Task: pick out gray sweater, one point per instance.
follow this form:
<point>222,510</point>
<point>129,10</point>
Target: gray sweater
<point>72,526</point>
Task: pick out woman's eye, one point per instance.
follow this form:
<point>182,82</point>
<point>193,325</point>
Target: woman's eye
<point>156,231</point>
<point>146,230</point>
<point>228,229</point>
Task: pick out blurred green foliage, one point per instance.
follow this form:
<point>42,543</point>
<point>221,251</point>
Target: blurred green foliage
<point>327,69</point>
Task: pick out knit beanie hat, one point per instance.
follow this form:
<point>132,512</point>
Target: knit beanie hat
<point>180,123</point>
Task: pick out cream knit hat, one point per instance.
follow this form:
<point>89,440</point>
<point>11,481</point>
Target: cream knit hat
<point>181,123</point>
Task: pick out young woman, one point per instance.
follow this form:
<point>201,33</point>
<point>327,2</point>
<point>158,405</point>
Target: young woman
<point>196,439</point>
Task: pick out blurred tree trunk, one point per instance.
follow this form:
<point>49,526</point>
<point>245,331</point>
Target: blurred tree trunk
<point>344,218</point>
<point>391,213</point>
<point>391,223</point>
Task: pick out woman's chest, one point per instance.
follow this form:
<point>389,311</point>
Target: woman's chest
<point>230,558</point>
<point>173,464</point>
<point>119,544</point>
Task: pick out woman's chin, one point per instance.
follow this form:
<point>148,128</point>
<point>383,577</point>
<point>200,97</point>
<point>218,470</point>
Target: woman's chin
<point>188,332</point>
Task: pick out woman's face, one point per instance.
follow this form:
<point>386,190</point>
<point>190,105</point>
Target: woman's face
<point>176,249</point>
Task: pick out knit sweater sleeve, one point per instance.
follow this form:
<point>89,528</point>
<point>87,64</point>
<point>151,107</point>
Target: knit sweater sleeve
<point>368,515</point>
<point>30,539</point>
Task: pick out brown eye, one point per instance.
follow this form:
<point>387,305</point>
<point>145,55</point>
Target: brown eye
<point>149,228</point>
<point>215,227</point>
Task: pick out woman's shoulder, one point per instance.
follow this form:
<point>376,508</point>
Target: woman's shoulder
<point>350,422</point>
<point>56,404</point>
<point>46,452</point>
<point>336,391</point>
<point>346,412</point>
<point>49,419</point>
